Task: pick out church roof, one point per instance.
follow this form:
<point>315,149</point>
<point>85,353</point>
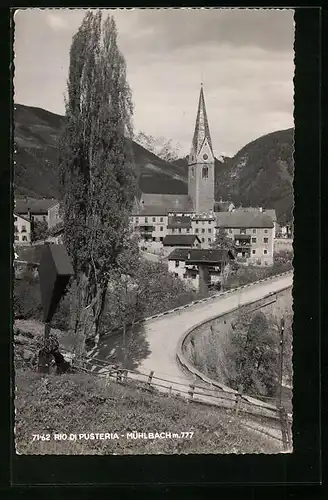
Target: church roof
<point>202,130</point>
<point>162,204</point>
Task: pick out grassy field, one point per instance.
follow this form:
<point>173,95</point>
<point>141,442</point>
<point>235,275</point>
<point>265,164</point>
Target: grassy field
<point>84,404</point>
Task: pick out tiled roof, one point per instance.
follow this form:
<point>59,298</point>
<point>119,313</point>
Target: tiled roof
<point>162,204</point>
<point>243,219</point>
<point>179,221</point>
<point>35,206</point>
<point>197,255</point>
<point>22,217</point>
<point>180,239</point>
<point>268,211</point>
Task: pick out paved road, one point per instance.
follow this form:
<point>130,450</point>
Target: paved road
<point>163,334</point>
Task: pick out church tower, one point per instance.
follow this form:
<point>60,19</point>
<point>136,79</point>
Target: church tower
<point>201,163</point>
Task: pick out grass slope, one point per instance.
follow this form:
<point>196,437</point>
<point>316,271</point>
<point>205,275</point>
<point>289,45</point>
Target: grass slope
<point>84,404</point>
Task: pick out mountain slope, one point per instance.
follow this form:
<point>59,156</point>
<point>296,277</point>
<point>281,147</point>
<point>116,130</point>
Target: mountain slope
<point>36,135</point>
<point>260,174</point>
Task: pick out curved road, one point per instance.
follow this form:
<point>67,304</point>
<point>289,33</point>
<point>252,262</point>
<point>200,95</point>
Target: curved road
<point>164,333</point>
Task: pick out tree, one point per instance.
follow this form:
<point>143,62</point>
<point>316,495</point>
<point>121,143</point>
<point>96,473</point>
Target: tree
<point>254,355</point>
<point>96,174</point>
<point>222,240</point>
<point>39,230</point>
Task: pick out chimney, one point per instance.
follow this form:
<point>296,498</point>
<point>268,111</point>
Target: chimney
<point>29,215</point>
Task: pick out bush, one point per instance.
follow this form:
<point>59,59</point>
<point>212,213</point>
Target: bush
<point>27,297</point>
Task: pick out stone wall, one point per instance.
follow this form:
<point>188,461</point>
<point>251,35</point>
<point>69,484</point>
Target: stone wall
<point>207,345</point>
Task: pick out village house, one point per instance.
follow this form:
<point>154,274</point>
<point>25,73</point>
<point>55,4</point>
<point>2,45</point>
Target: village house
<point>22,230</point>
<point>200,266</point>
<point>33,209</point>
<point>184,241</point>
<point>252,233</point>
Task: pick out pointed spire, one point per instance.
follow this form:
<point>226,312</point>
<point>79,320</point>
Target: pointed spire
<point>202,130</point>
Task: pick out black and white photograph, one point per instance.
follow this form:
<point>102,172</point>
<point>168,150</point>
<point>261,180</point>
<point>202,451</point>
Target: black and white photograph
<point>153,231</point>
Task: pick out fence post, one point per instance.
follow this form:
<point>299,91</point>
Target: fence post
<point>237,403</point>
<point>284,427</point>
<point>192,390</point>
<point>150,378</point>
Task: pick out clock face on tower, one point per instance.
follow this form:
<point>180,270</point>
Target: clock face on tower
<point>205,157</point>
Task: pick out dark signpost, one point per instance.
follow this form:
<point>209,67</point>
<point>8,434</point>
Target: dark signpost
<point>55,271</point>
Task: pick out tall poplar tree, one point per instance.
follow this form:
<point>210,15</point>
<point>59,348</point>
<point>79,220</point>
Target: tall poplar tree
<point>97,179</point>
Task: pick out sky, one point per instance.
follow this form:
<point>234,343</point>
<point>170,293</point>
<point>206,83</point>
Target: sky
<point>244,57</point>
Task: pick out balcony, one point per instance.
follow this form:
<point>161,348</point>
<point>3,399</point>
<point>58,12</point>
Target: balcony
<point>243,241</point>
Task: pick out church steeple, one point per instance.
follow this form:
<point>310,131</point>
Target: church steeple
<point>202,130</point>
<point>201,162</point>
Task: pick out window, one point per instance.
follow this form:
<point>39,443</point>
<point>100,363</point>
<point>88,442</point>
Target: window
<point>173,230</point>
<point>209,230</point>
<point>253,240</point>
<point>137,220</point>
<point>230,231</point>
<point>209,240</point>
<point>15,229</point>
<point>23,229</point>
<point>196,221</point>
<point>154,219</point>
<point>203,230</point>
<point>253,252</point>
<point>205,157</point>
<point>146,219</point>
<point>265,252</point>
<point>254,231</point>
<point>203,239</point>
<point>203,222</point>
<point>188,230</point>
<point>205,172</point>
<point>161,228</point>
<point>153,238</point>
<point>15,219</point>
<point>161,219</point>
<point>179,229</point>
<point>266,231</point>
<point>16,237</point>
<point>243,231</point>
<point>265,240</point>
<point>44,218</point>
<point>192,171</point>
<point>24,238</point>
<point>177,263</point>
<point>161,238</point>
<point>210,222</point>
<point>196,230</point>
<point>176,274</point>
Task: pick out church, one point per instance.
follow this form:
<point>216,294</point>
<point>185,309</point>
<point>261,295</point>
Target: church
<point>200,197</point>
<point>169,221</point>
